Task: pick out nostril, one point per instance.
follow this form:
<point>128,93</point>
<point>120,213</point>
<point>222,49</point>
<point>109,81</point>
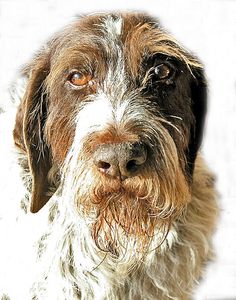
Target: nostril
<point>103,165</point>
<point>132,166</point>
<point>133,158</point>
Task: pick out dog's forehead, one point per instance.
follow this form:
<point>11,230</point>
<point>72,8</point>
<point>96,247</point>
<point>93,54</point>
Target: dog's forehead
<point>121,24</point>
<point>102,35</point>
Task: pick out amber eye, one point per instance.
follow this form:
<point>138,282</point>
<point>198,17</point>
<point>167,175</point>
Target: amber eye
<point>163,71</point>
<point>79,80</point>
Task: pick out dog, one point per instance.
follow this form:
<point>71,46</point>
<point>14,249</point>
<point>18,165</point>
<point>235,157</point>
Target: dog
<point>106,194</point>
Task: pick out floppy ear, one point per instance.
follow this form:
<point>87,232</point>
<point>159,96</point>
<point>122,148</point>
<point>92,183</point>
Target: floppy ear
<point>28,131</point>
<point>199,108</point>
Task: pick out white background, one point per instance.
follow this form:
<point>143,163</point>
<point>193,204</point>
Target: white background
<point>206,27</point>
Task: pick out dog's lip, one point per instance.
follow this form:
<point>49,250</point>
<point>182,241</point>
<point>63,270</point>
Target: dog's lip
<point>119,187</point>
<point>120,178</point>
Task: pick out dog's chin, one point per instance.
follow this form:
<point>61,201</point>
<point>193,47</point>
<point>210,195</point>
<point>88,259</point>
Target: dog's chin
<point>130,216</point>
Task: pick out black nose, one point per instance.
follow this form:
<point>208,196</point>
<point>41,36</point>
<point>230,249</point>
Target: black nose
<point>120,160</point>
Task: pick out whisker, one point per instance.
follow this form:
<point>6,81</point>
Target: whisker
<point>175,117</point>
<point>172,125</point>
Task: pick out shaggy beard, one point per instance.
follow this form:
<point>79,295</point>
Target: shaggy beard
<point>127,219</point>
<point>135,214</point>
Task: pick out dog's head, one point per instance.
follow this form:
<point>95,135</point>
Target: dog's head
<point>117,103</point>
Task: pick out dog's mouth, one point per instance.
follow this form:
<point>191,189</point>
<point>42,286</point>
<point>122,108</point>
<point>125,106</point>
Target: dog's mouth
<point>126,213</point>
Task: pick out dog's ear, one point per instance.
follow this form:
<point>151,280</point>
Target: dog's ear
<point>199,108</point>
<point>29,127</point>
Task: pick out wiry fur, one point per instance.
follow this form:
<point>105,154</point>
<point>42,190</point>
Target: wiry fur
<point>96,237</point>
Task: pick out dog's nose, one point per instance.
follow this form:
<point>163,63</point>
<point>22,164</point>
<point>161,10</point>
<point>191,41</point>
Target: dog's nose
<point>121,160</point>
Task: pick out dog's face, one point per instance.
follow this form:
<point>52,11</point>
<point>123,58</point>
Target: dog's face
<point>118,104</point>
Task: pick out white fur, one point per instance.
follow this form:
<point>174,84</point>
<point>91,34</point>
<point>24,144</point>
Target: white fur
<point>113,27</point>
<point>95,115</point>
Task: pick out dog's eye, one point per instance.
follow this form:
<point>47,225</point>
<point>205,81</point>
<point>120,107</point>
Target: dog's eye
<point>163,71</point>
<point>79,80</point>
